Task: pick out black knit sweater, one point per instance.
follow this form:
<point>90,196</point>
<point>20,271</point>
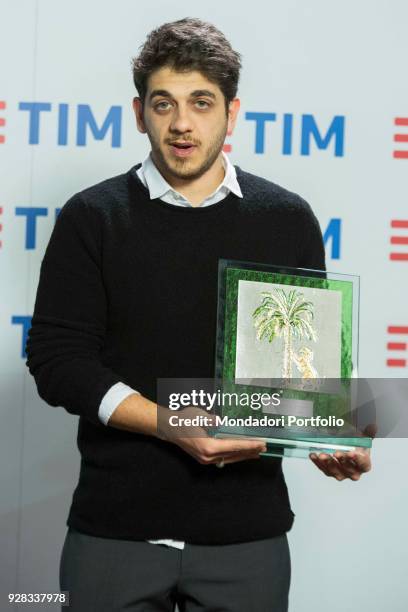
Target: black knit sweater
<point>127,292</point>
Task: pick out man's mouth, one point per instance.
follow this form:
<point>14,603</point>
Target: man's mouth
<point>182,149</point>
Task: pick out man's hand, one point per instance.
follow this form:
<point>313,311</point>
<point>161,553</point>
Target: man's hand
<point>341,465</point>
<point>210,450</point>
<point>195,440</point>
<point>138,414</point>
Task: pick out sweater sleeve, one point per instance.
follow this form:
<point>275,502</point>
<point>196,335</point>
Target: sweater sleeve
<point>312,254</point>
<point>70,314</point>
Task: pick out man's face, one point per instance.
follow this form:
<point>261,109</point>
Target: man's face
<point>185,118</point>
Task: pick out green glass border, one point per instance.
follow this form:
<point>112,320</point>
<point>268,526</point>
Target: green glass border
<point>230,273</point>
<point>234,275</point>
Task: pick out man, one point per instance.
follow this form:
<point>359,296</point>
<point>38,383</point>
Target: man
<point>127,295</point>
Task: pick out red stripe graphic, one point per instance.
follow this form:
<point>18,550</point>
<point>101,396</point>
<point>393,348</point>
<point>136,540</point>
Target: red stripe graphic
<point>399,240</point>
<point>397,329</point>
<point>400,154</point>
<point>399,256</point>
<point>400,137</point>
<point>227,148</point>
<point>2,121</point>
<point>399,223</point>
<point>401,121</point>
<point>397,346</point>
<point>396,363</point>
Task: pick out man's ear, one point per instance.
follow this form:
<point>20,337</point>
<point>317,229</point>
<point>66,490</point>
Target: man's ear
<point>233,110</point>
<point>138,110</point>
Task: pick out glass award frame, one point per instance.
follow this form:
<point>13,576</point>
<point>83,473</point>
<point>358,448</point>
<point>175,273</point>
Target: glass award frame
<point>290,335</point>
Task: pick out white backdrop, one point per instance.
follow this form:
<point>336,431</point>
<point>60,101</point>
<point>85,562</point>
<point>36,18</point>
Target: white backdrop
<point>335,72</point>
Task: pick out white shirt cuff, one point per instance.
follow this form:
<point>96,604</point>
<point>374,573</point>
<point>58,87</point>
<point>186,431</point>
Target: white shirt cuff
<point>111,400</point>
<point>172,543</point>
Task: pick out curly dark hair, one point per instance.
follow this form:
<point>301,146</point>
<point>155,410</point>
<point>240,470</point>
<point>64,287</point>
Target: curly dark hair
<point>185,45</point>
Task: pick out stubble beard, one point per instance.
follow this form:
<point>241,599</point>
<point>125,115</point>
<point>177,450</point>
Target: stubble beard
<point>180,168</point>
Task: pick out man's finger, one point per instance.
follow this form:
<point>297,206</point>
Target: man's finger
<point>370,430</point>
<point>332,466</point>
<point>320,463</point>
<point>348,466</point>
<point>235,458</point>
<point>343,465</point>
<point>361,459</point>
<point>219,446</point>
<point>328,465</point>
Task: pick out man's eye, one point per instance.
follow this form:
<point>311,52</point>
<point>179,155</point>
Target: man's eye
<point>202,104</point>
<point>162,105</point>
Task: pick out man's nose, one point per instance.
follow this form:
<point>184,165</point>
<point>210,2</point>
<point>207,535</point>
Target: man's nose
<point>181,121</point>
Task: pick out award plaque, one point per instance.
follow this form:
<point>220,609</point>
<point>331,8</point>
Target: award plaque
<point>286,358</point>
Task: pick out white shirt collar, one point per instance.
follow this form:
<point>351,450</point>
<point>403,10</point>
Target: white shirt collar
<point>158,186</point>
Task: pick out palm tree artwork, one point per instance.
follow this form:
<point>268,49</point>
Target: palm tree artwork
<point>288,315</point>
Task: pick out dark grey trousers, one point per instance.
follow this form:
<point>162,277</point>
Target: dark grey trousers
<point>106,575</point>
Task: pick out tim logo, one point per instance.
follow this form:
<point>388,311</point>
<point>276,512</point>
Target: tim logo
<point>400,238</point>
<point>397,346</point>
<point>302,132</point>
<point>332,238</point>
<point>39,114</point>
<point>401,137</point>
